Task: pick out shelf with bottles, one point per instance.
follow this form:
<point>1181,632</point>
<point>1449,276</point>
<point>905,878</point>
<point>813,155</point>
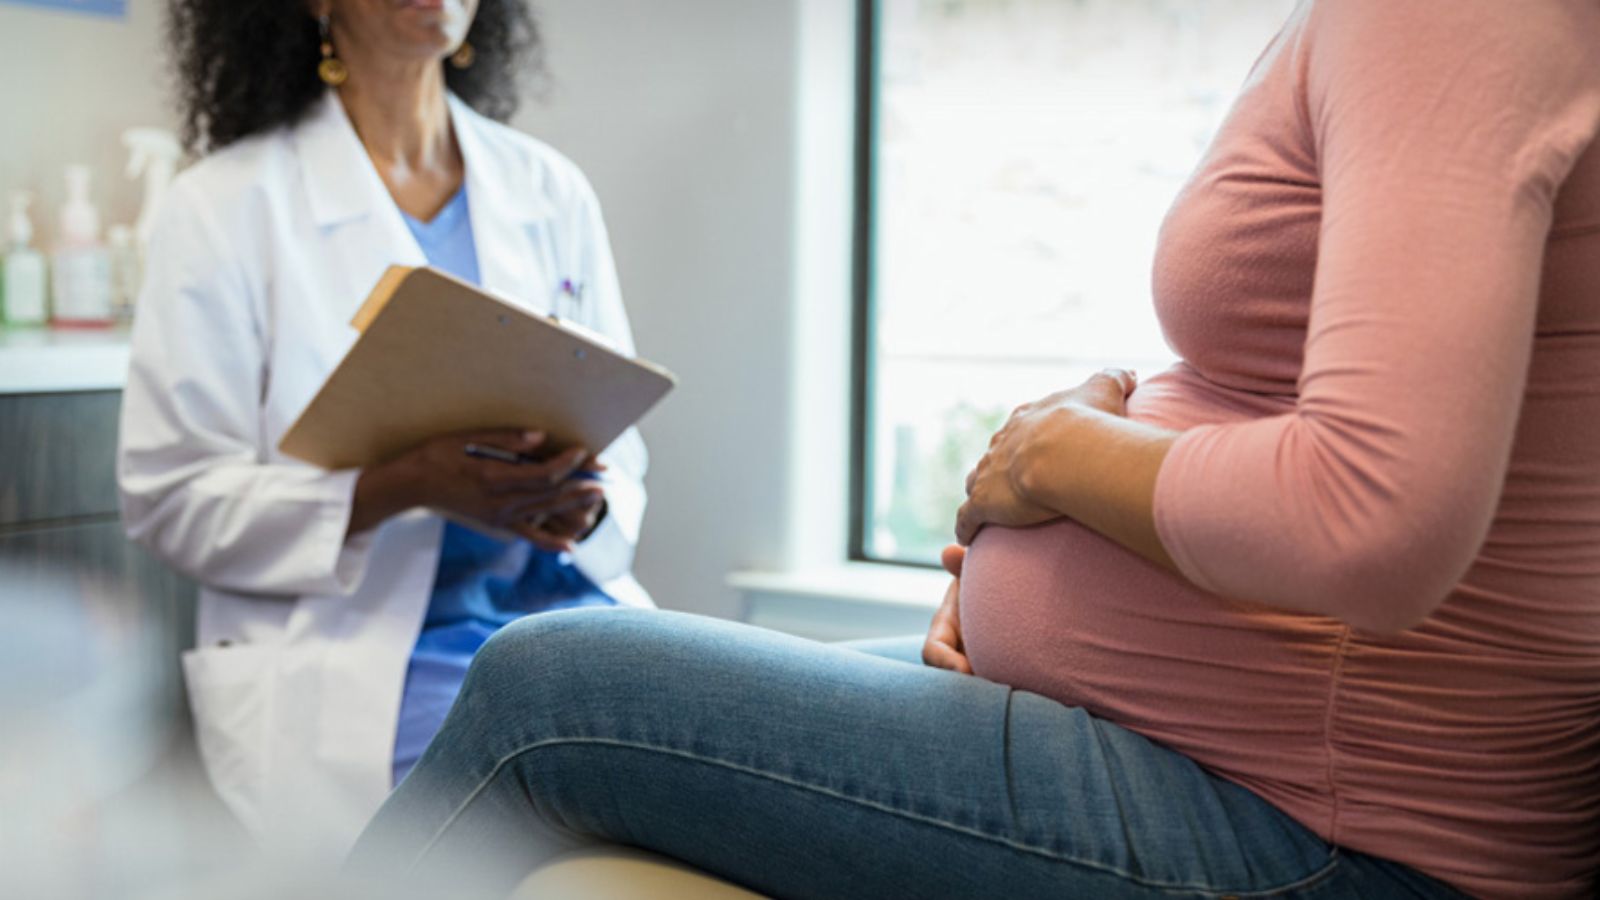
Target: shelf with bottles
<point>85,278</point>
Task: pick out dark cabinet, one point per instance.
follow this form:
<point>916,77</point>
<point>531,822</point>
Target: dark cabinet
<point>61,540</point>
<point>57,457</point>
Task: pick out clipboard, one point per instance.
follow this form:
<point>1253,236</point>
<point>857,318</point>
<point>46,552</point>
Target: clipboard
<point>438,356</point>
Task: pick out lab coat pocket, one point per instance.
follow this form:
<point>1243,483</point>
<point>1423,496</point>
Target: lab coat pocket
<point>230,691</point>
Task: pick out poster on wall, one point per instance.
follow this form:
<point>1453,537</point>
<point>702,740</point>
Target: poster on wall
<point>114,9</point>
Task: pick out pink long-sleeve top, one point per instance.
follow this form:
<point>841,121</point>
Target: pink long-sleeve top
<point>1384,279</point>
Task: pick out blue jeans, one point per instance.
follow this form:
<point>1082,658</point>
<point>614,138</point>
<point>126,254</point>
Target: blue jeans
<point>805,770</point>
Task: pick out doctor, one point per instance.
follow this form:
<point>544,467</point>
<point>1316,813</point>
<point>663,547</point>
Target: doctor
<point>339,611</point>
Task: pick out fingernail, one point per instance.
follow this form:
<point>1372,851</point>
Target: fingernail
<point>533,437</point>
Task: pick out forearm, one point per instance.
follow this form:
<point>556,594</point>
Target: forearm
<point>382,492</point>
<point>1100,470</point>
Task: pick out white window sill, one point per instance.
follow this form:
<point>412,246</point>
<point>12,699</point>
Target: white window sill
<point>843,602</point>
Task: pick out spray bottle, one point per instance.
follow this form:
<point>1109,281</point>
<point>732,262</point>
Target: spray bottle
<point>81,265</point>
<point>153,154</point>
<point>25,300</point>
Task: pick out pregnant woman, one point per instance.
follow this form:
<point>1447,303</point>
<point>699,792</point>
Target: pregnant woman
<point>1316,613</point>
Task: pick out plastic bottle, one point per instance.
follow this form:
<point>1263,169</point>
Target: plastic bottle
<point>81,265</point>
<point>127,271</point>
<point>25,297</point>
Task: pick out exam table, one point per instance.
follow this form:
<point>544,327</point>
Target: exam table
<point>623,873</point>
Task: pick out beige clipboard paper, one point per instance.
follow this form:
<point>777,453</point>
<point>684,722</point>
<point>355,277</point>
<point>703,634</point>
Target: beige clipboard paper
<point>438,356</point>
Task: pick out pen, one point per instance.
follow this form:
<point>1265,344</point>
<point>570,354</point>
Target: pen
<point>479,451</point>
<point>571,292</point>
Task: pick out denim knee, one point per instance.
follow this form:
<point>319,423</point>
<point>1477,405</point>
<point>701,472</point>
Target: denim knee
<point>553,675</point>
<point>542,646</point>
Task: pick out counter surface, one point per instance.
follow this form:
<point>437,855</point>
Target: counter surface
<point>46,361</point>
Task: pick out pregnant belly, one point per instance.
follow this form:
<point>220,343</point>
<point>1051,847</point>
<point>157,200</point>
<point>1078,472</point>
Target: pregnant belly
<point>1061,611</point>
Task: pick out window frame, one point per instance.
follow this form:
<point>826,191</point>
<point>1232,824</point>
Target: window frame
<point>863,283</point>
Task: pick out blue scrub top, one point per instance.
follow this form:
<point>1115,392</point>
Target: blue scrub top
<point>482,584</point>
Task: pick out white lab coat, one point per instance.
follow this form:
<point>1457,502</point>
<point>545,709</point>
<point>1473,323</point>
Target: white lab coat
<point>263,253</point>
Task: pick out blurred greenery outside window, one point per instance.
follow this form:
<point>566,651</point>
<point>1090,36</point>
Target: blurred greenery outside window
<point>1025,153</point>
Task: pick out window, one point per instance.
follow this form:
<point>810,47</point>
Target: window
<point>1015,160</point>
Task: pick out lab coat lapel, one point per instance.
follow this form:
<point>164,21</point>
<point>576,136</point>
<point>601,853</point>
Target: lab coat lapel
<point>515,240</point>
<point>351,208</point>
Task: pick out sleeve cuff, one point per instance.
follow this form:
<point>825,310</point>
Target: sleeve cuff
<point>607,553</point>
<point>347,555</point>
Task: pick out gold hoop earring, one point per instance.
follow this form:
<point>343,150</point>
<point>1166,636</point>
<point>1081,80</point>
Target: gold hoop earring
<point>331,70</point>
<point>464,56</point>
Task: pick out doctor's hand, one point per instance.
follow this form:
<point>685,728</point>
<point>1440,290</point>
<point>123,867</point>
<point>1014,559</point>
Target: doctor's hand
<point>539,501</point>
<point>943,648</point>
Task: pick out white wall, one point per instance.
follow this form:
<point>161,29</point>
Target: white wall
<point>70,84</point>
<point>690,118</point>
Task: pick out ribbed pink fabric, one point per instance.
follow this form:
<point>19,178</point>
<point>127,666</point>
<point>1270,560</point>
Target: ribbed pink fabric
<point>1385,281</point>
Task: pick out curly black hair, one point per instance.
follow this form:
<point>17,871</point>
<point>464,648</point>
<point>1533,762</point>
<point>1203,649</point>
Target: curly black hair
<point>247,66</point>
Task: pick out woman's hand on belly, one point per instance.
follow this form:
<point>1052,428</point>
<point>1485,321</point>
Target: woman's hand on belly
<point>997,492</point>
<point>539,499</point>
<point>1074,455</point>
<point>944,647</point>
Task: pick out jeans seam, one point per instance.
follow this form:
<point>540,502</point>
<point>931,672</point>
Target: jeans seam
<point>1011,782</point>
<point>1102,868</point>
<point>1115,792</point>
<point>1310,880</point>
